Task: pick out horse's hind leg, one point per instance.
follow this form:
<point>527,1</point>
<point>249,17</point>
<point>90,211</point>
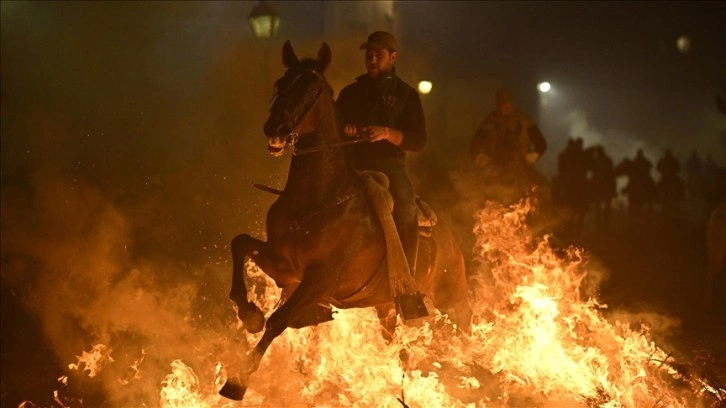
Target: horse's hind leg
<point>242,247</point>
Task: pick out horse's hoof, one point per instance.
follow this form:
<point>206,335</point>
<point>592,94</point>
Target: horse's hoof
<point>252,317</point>
<point>233,389</point>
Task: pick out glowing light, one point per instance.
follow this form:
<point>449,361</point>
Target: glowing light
<point>264,21</point>
<point>425,87</point>
<point>544,87</point>
<point>683,43</point>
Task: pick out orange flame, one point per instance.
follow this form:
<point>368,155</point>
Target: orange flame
<point>94,360</point>
<point>536,341</point>
<point>182,389</point>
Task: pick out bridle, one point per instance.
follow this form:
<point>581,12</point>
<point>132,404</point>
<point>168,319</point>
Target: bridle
<point>293,137</point>
<point>313,149</point>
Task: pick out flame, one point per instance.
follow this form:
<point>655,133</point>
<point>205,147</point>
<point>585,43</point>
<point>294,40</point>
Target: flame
<point>537,340</point>
<point>181,389</point>
<point>94,360</point>
<point>546,338</point>
<point>132,372</point>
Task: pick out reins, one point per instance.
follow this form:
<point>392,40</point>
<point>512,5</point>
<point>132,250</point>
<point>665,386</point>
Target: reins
<point>300,152</point>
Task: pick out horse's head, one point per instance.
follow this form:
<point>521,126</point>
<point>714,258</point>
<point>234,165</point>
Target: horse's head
<point>295,109</point>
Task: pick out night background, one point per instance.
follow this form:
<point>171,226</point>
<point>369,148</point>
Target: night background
<point>132,134</point>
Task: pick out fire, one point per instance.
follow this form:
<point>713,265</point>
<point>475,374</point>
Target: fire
<point>548,340</point>
<point>537,340</point>
<point>182,389</point>
<point>94,360</point>
<point>133,370</point>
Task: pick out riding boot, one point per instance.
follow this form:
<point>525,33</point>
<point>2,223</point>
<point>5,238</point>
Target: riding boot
<point>413,305</point>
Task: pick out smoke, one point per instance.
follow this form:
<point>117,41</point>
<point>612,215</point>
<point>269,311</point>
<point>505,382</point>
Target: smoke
<point>67,256</point>
<point>620,144</point>
<point>128,158</point>
<point>129,148</point>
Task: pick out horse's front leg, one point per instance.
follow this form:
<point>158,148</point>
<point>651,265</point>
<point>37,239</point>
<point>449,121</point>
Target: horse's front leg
<point>301,306</point>
<point>242,247</point>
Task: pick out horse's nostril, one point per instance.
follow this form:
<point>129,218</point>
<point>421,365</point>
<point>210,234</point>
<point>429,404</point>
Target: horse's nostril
<point>273,128</point>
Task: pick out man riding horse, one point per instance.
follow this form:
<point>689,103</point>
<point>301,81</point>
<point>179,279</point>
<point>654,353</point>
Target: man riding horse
<point>505,148</point>
<point>381,107</point>
<point>331,238</point>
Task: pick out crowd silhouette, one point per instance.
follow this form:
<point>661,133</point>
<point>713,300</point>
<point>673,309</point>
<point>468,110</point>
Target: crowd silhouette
<point>586,182</point>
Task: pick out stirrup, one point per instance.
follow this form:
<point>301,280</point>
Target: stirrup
<point>414,305</point>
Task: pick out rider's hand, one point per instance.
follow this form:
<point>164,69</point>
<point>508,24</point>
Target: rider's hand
<point>375,133</point>
<point>350,130</point>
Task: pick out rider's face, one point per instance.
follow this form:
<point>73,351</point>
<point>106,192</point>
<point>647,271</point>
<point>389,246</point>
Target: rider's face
<point>379,61</point>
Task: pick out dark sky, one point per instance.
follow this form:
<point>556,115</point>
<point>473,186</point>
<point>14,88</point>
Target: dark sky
<point>532,37</point>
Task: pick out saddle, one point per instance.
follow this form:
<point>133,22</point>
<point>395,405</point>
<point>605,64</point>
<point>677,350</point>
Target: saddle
<point>425,215</point>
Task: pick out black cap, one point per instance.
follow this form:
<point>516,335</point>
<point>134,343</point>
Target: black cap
<point>380,39</point>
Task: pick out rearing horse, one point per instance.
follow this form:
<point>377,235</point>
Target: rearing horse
<point>325,244</point>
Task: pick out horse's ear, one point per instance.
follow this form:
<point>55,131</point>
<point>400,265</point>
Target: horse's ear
<point>324,57</point>
<point>288,55</point>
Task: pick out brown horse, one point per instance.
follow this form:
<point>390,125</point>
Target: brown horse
<point>325,244</point>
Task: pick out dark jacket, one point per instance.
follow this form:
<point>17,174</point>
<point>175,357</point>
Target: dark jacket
<point>507,138</point>
<point>386,101</point>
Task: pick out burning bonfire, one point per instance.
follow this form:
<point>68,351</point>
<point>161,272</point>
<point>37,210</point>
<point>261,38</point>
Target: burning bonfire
<point>537,340</point>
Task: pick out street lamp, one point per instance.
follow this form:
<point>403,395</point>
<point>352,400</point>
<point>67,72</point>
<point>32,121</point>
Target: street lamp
<point>424,87</point>
<point>264,21</point>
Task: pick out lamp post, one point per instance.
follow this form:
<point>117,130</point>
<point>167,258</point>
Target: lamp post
<point>264,22</point>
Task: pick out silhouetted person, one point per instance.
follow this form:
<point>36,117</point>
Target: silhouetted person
<point>572,185</point>
<point>670,187</point>
<point>505,148</point>
<point>602,185</point>
<point>640,188</point>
